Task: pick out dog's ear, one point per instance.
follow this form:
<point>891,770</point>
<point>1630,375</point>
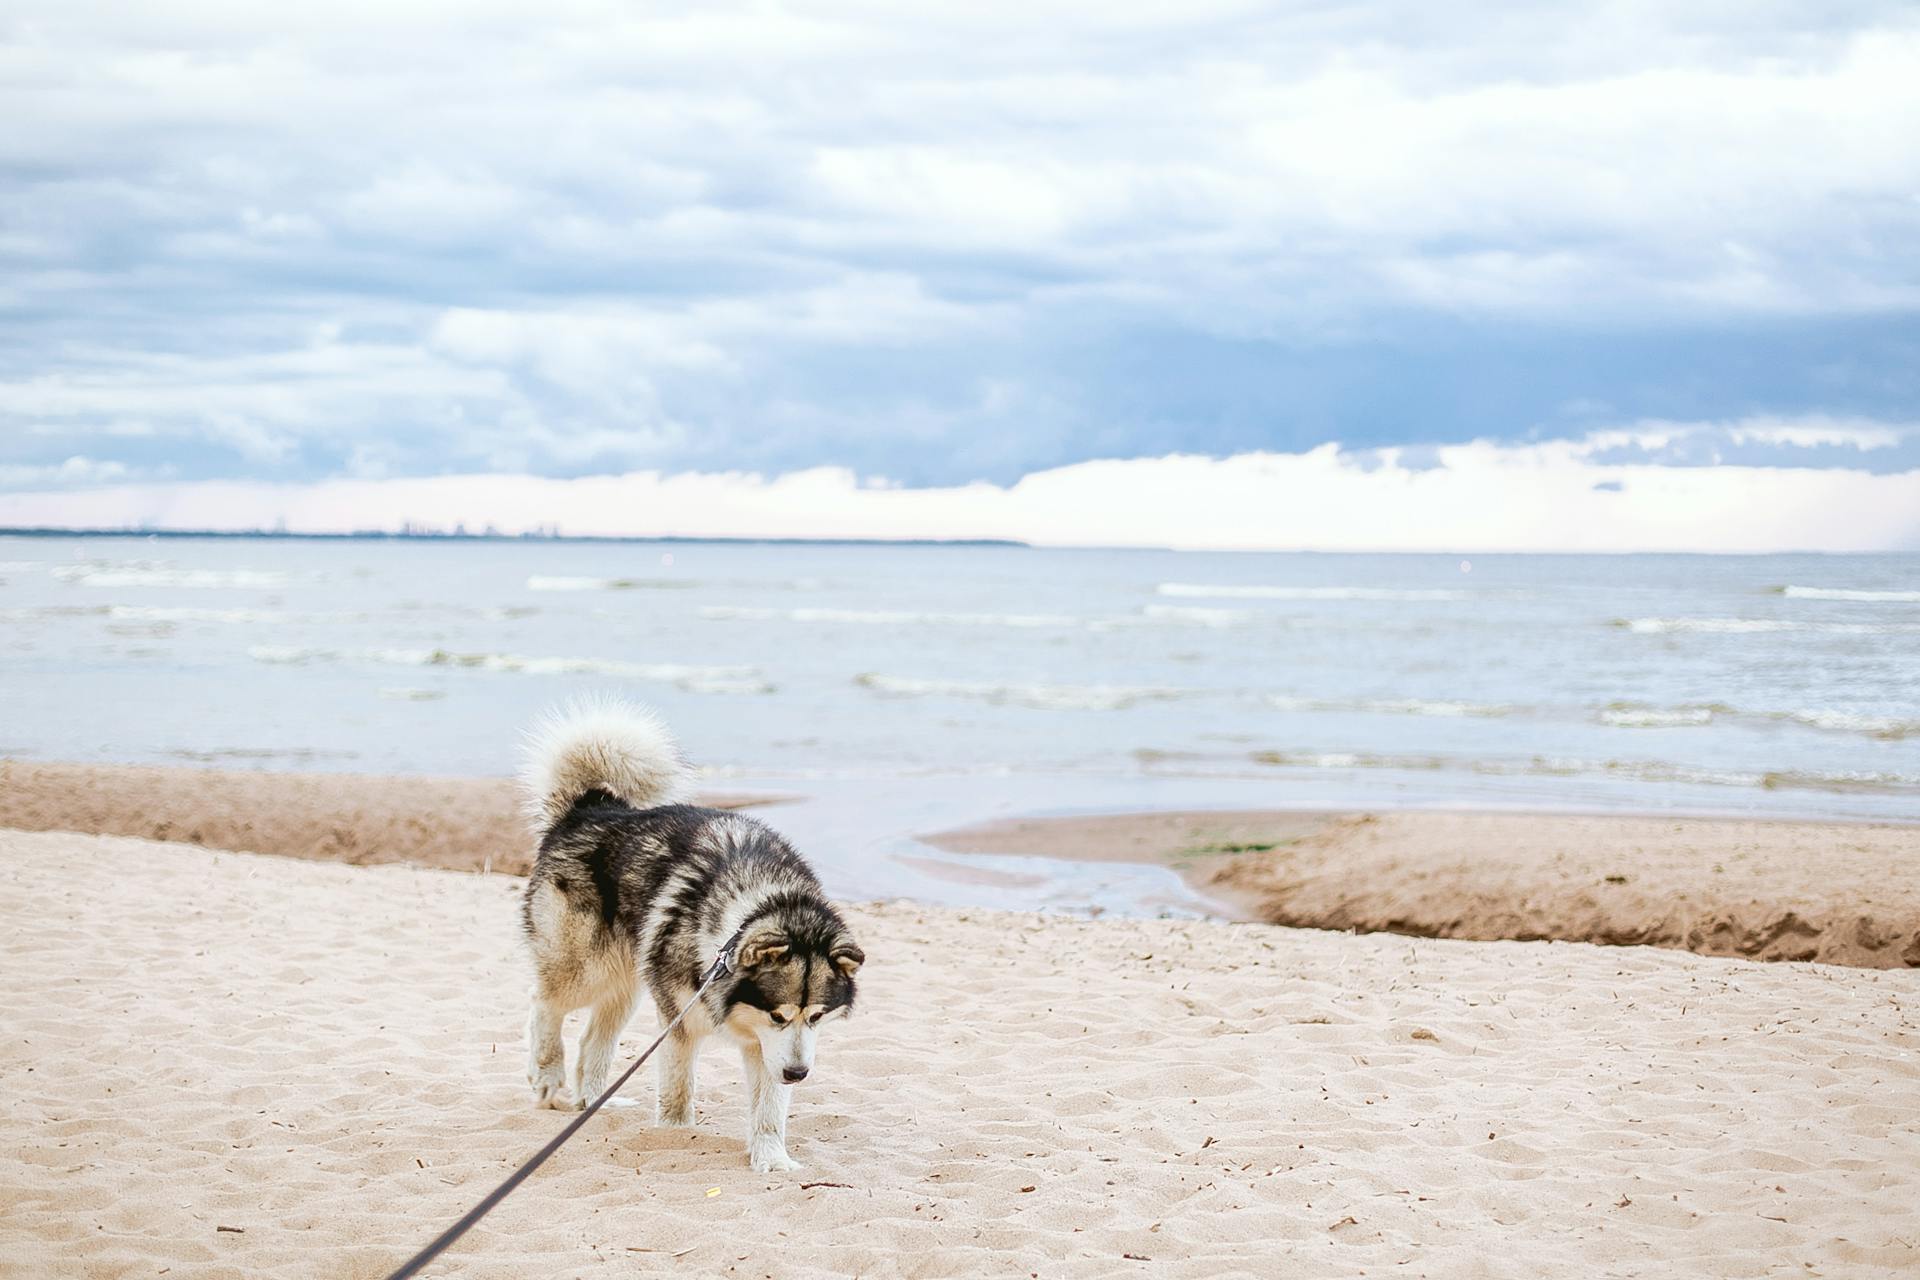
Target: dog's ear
<point>847,956</point>
<point>763,946</point>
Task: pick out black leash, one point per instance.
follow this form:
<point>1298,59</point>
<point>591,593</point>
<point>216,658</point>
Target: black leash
<point>722,963</point>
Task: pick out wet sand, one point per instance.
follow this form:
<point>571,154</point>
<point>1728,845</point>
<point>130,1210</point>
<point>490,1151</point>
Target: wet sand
<point>1835,892</point>
<point>464,824</point>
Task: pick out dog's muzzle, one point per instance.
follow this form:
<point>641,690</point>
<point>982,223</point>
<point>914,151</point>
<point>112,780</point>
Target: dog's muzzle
<point>793,1075</point>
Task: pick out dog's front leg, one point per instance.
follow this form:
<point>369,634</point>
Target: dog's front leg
<point>673,1105</point>
<point>767,1099</point>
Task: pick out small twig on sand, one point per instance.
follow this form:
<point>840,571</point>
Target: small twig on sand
<point>808,1186</point>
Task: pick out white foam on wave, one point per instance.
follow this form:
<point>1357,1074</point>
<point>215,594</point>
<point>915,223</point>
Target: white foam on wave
<point>725,684</point>
<point>1393,706</point>
<point>36,613</point>
<point>1845,593</point>
<point>160,613</point>
<point>1195,615</point>
<point>1713,626</point>
<point>1886,728</point>
<point>545,582</point>
<point>192,579</point>
<point>885,617</point>
<point>1633,715</point>
<point>1761,626</point>
<point>1202,590</point>
<point>698,679</point>
<point>1867,628</point>
<point>1629,716</point>
<point>1045,697</point>
<point>1636,770</point>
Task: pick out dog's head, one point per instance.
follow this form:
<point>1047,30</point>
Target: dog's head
<point>794,971</point>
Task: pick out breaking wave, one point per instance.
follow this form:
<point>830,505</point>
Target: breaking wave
<point>197,579</point>
<point>35,613</point>
<point>1045,697</point>
<point>1759,626</point>
<point>1619,715</point>
<point>1156,614</point>
<point>1635,770</point>
<point>1393,706</point>
<point>696,679</point>
<point>1633,715</point>
<point>540,582</point>
<point>411,693</point>
<point>1885,728</point>
<point>1843,593</point>
<point>885,617</point>
<point>215,755</point>
<point>1718,626</point>
<point>143,613</point>
<point>1206,591</point>
<point>1195,615</point>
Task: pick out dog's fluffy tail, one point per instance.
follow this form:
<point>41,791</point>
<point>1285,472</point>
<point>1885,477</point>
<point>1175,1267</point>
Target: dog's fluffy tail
<point>605,744</point>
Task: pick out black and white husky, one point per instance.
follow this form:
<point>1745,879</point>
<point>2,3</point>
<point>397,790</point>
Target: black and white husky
<point>632,891</point>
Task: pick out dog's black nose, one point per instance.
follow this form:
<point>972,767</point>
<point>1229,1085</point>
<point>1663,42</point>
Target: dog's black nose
<point>794,1075</point>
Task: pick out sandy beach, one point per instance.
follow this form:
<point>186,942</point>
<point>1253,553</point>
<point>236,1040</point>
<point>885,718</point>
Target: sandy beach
<point>239,1065</point>
<point>1771,890</point>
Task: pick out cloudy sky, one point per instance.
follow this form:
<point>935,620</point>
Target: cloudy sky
<point>1644,266</point>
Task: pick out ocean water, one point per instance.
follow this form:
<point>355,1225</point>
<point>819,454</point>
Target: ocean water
<point>904,688</point>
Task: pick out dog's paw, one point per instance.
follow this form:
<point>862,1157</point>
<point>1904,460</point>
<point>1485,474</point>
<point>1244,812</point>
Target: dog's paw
<point>771,1159</point>
<point>555,1097</point>
<point>674,1119</point>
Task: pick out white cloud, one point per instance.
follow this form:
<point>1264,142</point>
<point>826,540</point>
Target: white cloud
<point>1134,146</point>
<point>74,471</point>
<point>587,234</point>
<point>1815,432</point>
<point>1710,442</point>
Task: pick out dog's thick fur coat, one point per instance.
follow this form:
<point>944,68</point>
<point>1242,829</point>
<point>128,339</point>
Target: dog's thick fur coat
<point>631,890</point>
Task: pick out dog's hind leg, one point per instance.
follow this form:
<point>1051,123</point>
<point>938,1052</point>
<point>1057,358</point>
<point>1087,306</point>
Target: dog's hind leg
<point>767,1100</point>
<point>678,1057</point>
<point>546,1053</point>
<point>610,1014</point>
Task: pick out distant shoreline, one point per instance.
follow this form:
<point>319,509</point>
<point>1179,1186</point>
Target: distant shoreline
<point>676,539</point>
<point>383,535</point>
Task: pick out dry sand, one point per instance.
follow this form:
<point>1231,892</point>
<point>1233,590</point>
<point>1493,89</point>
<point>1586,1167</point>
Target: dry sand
<point>327,1060</point>
<point>468,824</point>
<point>1837,892</point>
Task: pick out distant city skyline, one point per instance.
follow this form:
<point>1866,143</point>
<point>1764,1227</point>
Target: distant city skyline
<point>1636,277</point>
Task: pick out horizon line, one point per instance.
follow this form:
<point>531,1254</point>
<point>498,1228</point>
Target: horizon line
<point>389,535</point>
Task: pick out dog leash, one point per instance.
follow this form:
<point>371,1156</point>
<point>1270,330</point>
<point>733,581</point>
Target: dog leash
<point>722,963</point>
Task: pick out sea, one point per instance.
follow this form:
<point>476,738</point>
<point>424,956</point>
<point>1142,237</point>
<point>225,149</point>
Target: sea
<point>899,689</point>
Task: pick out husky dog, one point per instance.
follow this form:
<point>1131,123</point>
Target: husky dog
<point>633,891</point>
